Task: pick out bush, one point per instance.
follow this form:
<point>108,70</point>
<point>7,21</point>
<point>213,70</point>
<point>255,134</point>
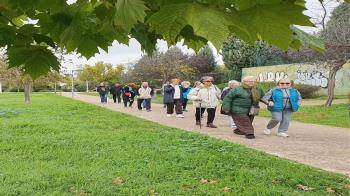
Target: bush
<point>306,91</point>
<point>222,85</point>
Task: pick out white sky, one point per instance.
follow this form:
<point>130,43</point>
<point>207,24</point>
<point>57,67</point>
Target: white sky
<point>122,54</point>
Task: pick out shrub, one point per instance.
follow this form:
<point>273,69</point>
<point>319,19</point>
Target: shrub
<point>306,91</point>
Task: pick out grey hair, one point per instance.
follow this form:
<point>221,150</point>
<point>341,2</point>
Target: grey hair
<point>205,78</point>
<point>233,82</point>
<point>248,78</point>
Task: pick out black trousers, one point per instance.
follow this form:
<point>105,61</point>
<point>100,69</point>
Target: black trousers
<point>210,111</point>
<point>115,97</point>
<point>184,104</point>
<point>126,100</point>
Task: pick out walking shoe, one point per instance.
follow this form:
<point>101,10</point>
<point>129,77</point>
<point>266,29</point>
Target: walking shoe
<point>179,116</point>
<point>238,132</point>
<point>250,136</point>
<point>211,125</point>
<point>168,115</point>
<point>282,134</point>
<point>198,122</point>
<point>148,110</point>
<point>267,131</point>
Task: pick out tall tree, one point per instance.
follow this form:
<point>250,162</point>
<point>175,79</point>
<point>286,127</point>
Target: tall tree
<point>238,55</point>
<point>31,27</point>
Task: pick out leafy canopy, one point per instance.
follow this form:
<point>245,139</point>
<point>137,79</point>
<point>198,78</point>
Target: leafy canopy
<point>87,25</point>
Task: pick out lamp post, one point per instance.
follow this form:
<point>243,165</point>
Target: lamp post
<point>73,70</point>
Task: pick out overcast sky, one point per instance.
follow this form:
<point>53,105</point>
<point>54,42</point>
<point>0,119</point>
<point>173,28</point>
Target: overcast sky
<point>122,54</point>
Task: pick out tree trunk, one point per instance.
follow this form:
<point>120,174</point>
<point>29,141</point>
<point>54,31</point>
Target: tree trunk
<point>27,90</point>
<point>27,85</point>
<point>0,87</point>
<point>87,86</point>
<point>55,86</point>
<point>331,82</point>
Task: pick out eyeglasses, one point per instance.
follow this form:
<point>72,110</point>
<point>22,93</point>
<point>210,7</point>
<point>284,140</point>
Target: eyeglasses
<point>284,83</point>
<point>208,81</point>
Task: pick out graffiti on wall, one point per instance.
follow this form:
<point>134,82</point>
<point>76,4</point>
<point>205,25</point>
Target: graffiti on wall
<point>314,78</point>
<point>272,77</point>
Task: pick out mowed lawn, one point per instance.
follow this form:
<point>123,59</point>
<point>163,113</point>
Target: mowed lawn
<point>57,146</point>
<point>338,115</point>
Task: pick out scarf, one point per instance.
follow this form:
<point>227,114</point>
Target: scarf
<point>253,91</point>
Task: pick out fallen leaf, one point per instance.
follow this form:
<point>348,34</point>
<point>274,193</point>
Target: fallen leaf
<point>347,186</point>
<point>152,193</point>
<point>118,181</point>
<point>304,188</point>
<point>227,189</point>
<point>329,190</point>
<point>213,181</point>
<point>275,181</point>
<point>204,181</point>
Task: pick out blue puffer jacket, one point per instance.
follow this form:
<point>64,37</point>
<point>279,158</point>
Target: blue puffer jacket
<point>169,94</point>
<point>276,95</point>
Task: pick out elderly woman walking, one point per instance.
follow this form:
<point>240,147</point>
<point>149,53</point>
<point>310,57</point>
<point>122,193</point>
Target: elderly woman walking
<point>282,102</point>
<point>206,97</point>
<point>186,89</point>
<point>144,96</point>
<point>173,97</point>
<point>243,104</point>
<point>232,84</point>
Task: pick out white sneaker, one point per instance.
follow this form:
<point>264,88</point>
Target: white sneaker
<point>180,116</point>
<point>168,115</point>
<point>267,131</point>
<point>282,134</point>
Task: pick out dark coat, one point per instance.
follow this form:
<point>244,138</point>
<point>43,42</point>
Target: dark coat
<point>116,90</point>
<point>169,92</point>
<point>128,91</point>
<point>102,90</point>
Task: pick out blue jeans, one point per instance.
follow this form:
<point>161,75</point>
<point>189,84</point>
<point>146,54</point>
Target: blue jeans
<point>146,102</point>
<point>103,98</point>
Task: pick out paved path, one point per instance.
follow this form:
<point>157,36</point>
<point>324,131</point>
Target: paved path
<point>319,146</point>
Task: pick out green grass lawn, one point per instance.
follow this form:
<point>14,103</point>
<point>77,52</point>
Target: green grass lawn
<point>337,115</point>
<point>58,146</point>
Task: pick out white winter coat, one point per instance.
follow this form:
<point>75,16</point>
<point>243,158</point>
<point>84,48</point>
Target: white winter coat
<point>145,93</point>
<point>209,96</point>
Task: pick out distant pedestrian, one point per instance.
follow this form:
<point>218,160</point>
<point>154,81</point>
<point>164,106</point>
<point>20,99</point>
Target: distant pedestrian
<point>186,88</point>
<point>128,95</point>
<point>103,90</point>
<point>116,92</point>
<point>232,84</point>
<point>282,101</point>
<point>206,96</point>
<point>243,104</point>
<point>173,97</point>
<point>144,96</point>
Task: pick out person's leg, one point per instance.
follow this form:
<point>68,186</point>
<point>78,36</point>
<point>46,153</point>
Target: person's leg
<point>131,102</point>
<point>231,122</point>
<point>118,97</point>
<point>276,118</point>
<point>170,108</point>
<point>284,125</point>
<point>148,104</point>
<point>199,114</point>
<point>139,103</point>
<point>114,98</point>
<point>178,106</point>
<point>125,101</point>
<point>101,97</point>
<point>184,104</point>
<point>244,124</point>
<point>211,115</point>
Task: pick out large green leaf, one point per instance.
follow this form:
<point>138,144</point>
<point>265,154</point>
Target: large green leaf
<point>308,40</point>
<point>207,22</point>
<point>270,23</point>
<point>34,60</point>
<point>246,4</point>
<point>129,12</point>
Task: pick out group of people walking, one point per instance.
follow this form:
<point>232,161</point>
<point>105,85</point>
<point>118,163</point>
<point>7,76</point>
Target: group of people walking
<point>240,101</point>
<point>127,94</point>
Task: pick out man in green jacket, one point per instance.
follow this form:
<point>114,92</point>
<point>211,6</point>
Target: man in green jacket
<point>243,104</point>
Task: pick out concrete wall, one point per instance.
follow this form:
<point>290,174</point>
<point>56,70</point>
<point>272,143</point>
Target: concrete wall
<point>316,75</point>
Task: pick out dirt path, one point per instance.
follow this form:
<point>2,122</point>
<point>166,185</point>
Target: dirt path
<point>319,146</point>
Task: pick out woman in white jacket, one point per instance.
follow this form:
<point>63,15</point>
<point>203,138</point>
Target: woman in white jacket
<point>205,96</point>
<point>144,96</point>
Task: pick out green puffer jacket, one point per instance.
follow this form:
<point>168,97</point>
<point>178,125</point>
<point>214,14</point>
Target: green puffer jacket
<point>239,100</point>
